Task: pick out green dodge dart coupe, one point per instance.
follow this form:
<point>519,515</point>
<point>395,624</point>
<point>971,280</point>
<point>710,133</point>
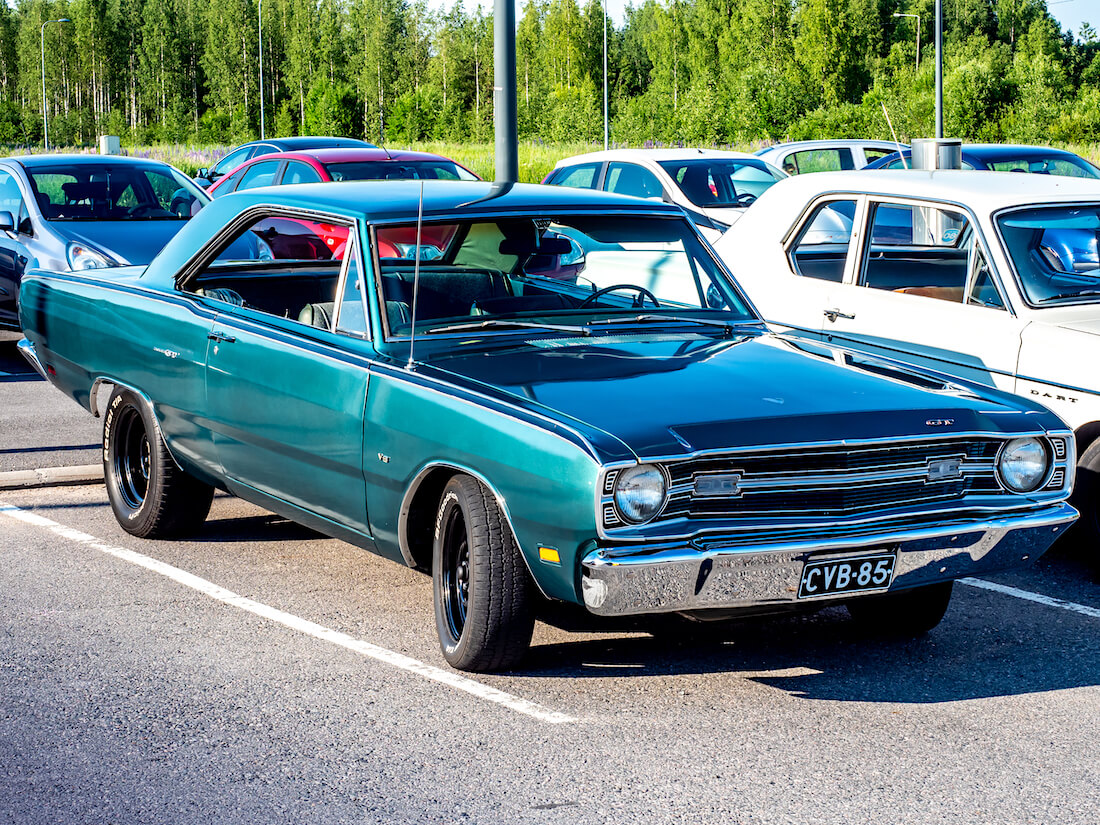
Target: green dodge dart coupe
<point>537,393</point>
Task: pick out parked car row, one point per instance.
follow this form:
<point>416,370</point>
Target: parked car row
<point>564,393</point>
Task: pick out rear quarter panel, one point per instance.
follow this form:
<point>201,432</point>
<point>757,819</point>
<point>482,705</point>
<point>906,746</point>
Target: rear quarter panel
<point>88,328</point>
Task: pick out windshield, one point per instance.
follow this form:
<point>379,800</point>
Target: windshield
<point>721,182</point>
<point>109,192</point>
<point>399,170</point>
<point>1054,252</point>
<point>570,269</point>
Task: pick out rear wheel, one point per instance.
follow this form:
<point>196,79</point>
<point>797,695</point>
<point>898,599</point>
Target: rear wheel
<point>484,601</point>
<point>151,497</point>
<point>906,613</point>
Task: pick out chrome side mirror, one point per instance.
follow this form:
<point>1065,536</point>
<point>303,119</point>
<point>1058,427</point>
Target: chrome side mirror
<point>7,222</point>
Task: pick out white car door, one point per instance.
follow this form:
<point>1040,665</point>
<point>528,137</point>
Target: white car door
<point>792,284</point>
<point>923,290</point>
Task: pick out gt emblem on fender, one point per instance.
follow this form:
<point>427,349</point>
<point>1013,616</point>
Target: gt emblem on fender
<point>940,422</point>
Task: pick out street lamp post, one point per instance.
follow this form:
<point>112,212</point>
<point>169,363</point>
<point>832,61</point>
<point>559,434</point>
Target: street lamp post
<point>605,76</point>
<point>260,31</point>
<point>899,14</point>
<point>45,109</point>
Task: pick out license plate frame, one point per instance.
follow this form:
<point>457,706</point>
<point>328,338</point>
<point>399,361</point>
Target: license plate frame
<point>823,578</point>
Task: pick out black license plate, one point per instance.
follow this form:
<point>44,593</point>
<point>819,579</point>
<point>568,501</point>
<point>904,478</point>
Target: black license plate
<point>855,574</point>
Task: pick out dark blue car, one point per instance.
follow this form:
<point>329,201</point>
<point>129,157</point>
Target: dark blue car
<point>1007,157</point>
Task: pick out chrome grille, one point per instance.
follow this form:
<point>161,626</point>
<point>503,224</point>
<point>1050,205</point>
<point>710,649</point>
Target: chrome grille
<point>836,481</point>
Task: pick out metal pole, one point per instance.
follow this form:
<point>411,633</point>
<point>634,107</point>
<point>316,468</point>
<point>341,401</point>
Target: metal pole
<point>45,116</point>
<point>260,29</point>
<point>504,110</point>
<point>605,127</point>
<point>939,68</point>
<point>45,109</point>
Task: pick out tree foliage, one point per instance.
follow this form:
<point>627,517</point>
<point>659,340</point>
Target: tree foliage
<point>397,71</point>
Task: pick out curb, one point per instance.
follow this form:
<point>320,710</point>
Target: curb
<point>52,477</point>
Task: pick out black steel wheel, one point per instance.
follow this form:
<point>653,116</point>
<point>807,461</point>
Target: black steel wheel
<point>151,497</point>
<point>906,613</point>
<point>484,603</point>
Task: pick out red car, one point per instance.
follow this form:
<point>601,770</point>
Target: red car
<point>319,165</point>
<point>320,241</point>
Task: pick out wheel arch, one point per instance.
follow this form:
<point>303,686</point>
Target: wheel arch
<point>93,405</point>
<point>420,504</point>
<point>1085,435</point>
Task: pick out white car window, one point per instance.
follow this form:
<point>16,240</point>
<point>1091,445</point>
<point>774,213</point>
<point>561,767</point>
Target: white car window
<point>819,160</point>
<point>822,245</point>
<point>584,176</point>
<point>928,251</point>
<point>631,179</point>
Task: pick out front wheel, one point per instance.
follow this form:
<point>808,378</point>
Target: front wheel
<point>1086,496</point>
<point>151,497</point>
<point>906,613</point>
<point>484,604</point>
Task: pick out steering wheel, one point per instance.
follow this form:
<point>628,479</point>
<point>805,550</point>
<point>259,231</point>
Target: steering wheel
<point>142,209</point>
<point>746,198</point>
<point>639,302</point>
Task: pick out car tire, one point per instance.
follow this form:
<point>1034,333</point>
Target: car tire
<point>1086,497</point>
<point>151,497</point>
<point>906,613</point>
<point>484,599</point>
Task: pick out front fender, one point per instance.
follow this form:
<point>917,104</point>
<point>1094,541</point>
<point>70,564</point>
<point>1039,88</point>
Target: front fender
<point>545,482</point>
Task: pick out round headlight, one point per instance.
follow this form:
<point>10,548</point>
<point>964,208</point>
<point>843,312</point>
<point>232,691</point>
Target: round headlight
<point>1023,464</point>
<point>640,492</point>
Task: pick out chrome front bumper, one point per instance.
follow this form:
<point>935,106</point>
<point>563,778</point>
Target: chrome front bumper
<point>620,581</point>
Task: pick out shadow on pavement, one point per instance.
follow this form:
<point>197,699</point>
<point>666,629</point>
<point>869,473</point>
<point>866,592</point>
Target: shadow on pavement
<point>987,646</point>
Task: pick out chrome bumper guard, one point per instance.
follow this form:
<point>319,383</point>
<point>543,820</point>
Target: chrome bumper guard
<point>27,348</point>
<point>621,581</point>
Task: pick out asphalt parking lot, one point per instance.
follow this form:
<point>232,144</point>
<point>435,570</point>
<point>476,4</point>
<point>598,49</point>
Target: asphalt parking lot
<point>263,673</point>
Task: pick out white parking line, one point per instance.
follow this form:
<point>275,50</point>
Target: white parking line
<point>381,654</point>
<point>1039,598</point>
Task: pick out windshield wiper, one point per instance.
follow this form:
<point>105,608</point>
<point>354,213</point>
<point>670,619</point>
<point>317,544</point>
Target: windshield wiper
<point>675,319</point>
<point>498,323</point>
<point>1084,293</point>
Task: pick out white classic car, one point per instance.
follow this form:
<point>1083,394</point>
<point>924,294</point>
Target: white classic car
<point>993,277</point>
<point>708,183</point>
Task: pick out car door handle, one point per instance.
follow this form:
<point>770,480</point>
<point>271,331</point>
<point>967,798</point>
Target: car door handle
<point>833,314</point>
<point>221,336</point>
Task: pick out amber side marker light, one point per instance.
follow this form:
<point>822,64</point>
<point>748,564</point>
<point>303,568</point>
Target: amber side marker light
<point>549,555</point>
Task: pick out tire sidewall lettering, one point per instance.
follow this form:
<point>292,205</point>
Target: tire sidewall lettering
<point>451,497</point>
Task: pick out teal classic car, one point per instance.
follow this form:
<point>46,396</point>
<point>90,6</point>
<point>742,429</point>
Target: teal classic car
<point>537,393</point>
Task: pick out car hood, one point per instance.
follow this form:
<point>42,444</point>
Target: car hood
<point>1084,319</point>
<point>128,242</point>
<point>665,395</point>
